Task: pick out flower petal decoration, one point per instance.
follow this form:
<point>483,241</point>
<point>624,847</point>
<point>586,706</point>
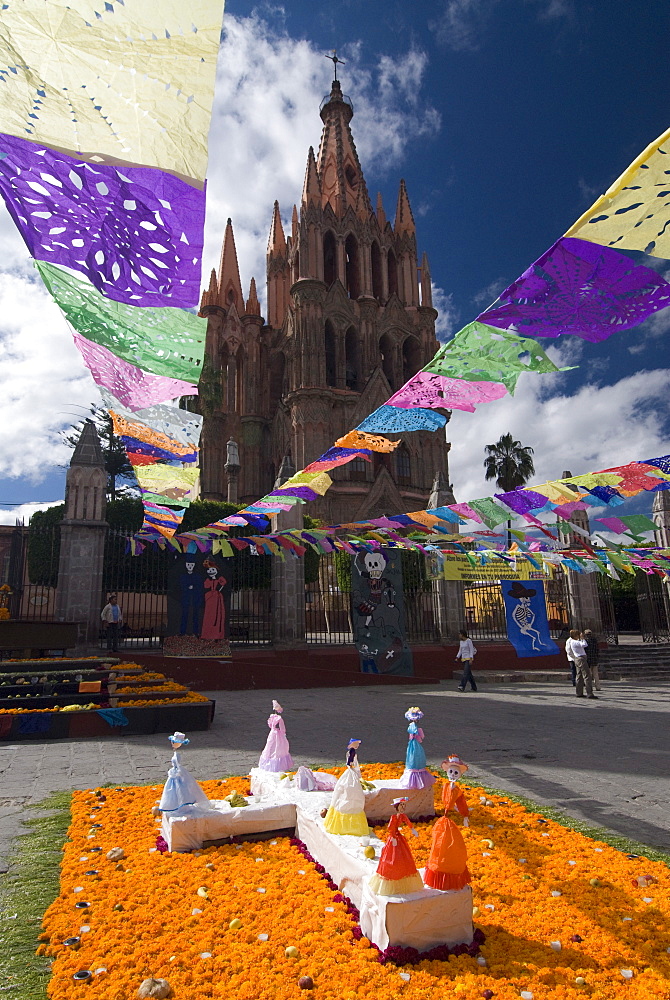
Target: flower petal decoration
<point>579,288</point>
<point>634,213</point>
<point>136,233</point>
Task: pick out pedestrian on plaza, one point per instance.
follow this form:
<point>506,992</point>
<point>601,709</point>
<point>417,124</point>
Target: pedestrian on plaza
<point>564,635</point>
<point>112,618</point>
<point>466,654</point>
<point>592,657</point>
<point>575,649</point>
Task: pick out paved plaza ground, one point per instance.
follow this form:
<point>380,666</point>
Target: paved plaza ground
<point>602,761</point>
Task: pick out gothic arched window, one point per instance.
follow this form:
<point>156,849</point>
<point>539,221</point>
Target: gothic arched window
<point>331,354</point>
<point>411,358</point>
<point>376,266</point>
<point>392,266</point>
<point>386,356</point>
<point>329,258</point>
<point>351,358</point>
<point>358,470</point>
<point>352,266</point>
<point>403,465</point>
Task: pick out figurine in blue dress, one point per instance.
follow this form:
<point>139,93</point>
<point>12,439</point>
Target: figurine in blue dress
<point>415,774</point>
<point>181,792</point>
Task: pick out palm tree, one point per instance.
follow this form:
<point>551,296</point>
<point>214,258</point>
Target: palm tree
<point>511,465</point>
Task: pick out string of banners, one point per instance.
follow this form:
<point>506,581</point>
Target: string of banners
<point>599,278</point>
<point>104,116</point>
<point>102,168</point>
<point>436,531</point>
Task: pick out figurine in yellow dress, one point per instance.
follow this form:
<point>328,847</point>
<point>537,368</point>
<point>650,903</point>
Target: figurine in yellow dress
<point>346,814</point>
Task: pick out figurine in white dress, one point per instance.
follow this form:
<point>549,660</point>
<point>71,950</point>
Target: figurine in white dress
<point>181,792</point>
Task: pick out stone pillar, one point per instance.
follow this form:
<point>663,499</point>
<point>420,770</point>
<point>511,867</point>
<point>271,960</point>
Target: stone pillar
<point>288,579</point>
<point>83,530</point>
<point>449,594</point>
<point>583,599</point>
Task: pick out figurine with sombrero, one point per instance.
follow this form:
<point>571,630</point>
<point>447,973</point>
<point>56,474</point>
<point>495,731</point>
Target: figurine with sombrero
<point>447,867</point>
<point>396,873</point>
<point>415,774</point>
<point>346,814</point>
<point>181,792</point>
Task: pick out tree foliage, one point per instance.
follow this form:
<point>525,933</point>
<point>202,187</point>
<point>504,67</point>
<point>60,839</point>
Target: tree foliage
<point>509,462</point>
<point>117,465</point>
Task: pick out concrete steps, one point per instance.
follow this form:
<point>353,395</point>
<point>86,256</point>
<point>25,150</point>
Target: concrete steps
<point>645,662</point>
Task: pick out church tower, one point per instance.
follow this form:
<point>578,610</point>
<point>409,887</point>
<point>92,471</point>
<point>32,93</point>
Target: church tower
<point>349,322</point>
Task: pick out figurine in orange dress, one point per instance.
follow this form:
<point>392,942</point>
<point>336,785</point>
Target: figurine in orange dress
<point>396,872</point>
<point>447,867</point>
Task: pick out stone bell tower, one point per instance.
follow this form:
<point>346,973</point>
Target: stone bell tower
<point>82,537</point>
<point>350,320</point>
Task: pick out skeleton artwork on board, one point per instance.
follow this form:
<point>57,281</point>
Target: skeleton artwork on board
<point>523,614</point>
<point>377,612</point>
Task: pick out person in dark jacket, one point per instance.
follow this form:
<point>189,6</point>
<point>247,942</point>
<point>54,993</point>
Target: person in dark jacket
<point>592,657</point>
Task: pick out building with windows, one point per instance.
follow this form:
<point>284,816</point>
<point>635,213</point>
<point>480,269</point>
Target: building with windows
<point>350,319</point>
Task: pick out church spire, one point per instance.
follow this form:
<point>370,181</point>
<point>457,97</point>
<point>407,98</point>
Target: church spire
<point>426,287</point>
<point>253,305</point>
<point>277,240</point>
<point>230,287</point>
<point>381,214</point>
<point>404,220</point>
<point>311,191</point>
<point>339,169</point>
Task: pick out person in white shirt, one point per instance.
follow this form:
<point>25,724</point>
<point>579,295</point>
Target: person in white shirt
<point>113,619</point>
<point>575,650</point>
<point>466,654</point>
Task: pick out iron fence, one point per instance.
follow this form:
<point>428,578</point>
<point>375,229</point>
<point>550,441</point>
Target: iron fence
<point>653,600</point>
<point>33,573</point>
<point>610,629</point>
<point>141,585</point>
<point>328,600</point>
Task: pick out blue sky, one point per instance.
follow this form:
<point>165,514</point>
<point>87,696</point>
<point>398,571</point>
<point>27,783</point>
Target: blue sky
<point>505,117</point>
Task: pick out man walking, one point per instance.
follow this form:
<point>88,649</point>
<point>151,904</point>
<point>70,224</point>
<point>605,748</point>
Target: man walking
<point>466,654</point>
<point>113,619</point>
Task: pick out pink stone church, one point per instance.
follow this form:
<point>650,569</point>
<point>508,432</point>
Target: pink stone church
<point>350,319</point>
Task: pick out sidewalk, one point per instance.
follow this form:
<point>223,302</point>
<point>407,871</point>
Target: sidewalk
<point>602,761</point>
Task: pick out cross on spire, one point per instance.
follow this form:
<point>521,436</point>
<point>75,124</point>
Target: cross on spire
<point>334,59</point>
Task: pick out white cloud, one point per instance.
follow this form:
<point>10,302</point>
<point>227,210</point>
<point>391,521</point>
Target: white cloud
<point>24,512</point>
<point>447,319</point>
<point>595,428</point>
<point>265,118</point>
<point>269,87</point>
<point>43,381</point>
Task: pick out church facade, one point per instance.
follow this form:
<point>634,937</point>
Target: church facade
<point>350,319</point>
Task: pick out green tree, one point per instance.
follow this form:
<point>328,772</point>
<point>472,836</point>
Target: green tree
<point>117,465</point>
<point>511,465</point>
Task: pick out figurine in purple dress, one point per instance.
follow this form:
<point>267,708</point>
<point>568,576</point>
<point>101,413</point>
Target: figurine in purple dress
<point>276,756</point>
<point>415,774</point>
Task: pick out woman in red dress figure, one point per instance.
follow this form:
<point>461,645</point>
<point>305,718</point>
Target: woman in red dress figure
<point>447,867</point>
<point>396,872</point>
<point>214,618</point>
